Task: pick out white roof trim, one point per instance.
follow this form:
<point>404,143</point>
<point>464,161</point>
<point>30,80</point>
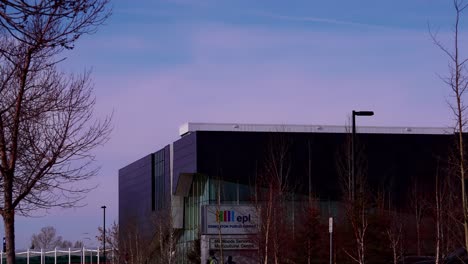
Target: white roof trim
<point>236,127</point>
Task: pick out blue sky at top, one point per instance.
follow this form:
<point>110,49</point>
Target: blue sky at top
<point>159,32</point>
<point>158,64</point>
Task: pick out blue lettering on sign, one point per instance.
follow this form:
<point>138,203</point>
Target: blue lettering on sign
<point>243,218</point>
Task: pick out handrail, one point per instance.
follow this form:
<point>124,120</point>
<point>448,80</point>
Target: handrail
<point>81,252</point>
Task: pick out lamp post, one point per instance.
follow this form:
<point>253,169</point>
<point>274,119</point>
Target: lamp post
<point>330,230</point>
<point>353,161</point>
<point>104,234</point>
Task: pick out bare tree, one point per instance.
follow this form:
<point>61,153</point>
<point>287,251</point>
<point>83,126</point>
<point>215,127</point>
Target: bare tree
<point>457,81</point>
<point>218,209</point>
<point>47,126</point>
<point>272,194</point>
<point>112,240</point>
<point>438,212</point>
<point>419,207</point>
<point>65,244</point>
<point>312,214</point>
<point>47,238</point>
<point>312,240</point>
<point>165,238</point>
<point>356,206</point>
<point>264,206</point>
<point>452,215</point>
<point>193,255</point>
<point>62,22</point>
<point>134,247</point>
<point>394,234</point>
<point>78,244</point>
<point>447,213</point>
<point>356,212</point>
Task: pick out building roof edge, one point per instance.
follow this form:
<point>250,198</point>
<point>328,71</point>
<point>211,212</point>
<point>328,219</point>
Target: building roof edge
<point>239,127</point>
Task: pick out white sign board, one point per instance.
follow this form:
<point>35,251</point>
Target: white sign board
<point>230,219</point>
<point>233,244</point>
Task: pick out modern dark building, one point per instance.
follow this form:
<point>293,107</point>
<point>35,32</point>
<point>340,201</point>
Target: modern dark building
<point>222,162</point>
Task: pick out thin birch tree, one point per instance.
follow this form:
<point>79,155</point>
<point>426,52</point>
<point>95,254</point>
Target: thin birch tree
<point>218,210</point>
<point>272,192</point>
<point>165,237</point>
<point>419,207</point>
<point>394,234</point>
<point>438,213</point>
<point>134,246</point>
<point>356,206</point>
<point>457,81</point>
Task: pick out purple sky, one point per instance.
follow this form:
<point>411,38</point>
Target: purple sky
<point>158,64</point>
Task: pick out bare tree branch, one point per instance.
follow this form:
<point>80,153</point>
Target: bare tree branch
<point>458,82</point>
<point>47,126</point>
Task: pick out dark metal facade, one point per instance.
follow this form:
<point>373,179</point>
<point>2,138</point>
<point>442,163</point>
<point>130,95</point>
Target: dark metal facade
<point>391,163</point>
<point>135,199</point>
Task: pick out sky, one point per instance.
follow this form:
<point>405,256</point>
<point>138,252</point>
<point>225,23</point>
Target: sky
<point>157,64</point>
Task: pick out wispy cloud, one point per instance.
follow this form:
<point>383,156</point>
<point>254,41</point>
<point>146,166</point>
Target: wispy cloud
<point>254,44</point>
<point>138,11</point>
<point>314,19</point>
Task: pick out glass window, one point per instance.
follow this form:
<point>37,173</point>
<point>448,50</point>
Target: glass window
<point>159,184</point>
<point>198,197</point>
<point>245,193</point>
<point>229,192</point>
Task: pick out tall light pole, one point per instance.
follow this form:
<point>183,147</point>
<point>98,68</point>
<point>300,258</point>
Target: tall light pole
<point>104,234</point>
<point>353,160</point>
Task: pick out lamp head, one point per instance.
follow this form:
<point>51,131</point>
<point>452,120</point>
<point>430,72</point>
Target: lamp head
<point>363,113</point>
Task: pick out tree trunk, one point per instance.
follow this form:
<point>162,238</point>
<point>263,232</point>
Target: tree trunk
<point>459,92</point>
<point>267,231</point>
<point>275,236</point>
<point>161,242</point>
<point>9,224</point>
<point>462,162</point>
<point>438,219</point>
<point>220,236</point>
<point>457,80</point>
<point>418,237</point>
<point>9,219</point>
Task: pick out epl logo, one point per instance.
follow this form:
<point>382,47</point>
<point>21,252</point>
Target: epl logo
<point>229,216</point>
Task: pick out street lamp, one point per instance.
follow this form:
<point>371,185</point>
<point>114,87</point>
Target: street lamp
<point>353,161</point>
<point>104,234</point>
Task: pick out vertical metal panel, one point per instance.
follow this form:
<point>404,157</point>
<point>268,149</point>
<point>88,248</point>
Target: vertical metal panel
<point>135,186</point>
<point>167,176</point>
<point>185,157</point>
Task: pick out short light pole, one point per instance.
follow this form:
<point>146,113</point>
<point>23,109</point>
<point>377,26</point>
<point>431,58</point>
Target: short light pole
<point>330,230</point>
<point>104,234</point>
<point>353,158</point>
